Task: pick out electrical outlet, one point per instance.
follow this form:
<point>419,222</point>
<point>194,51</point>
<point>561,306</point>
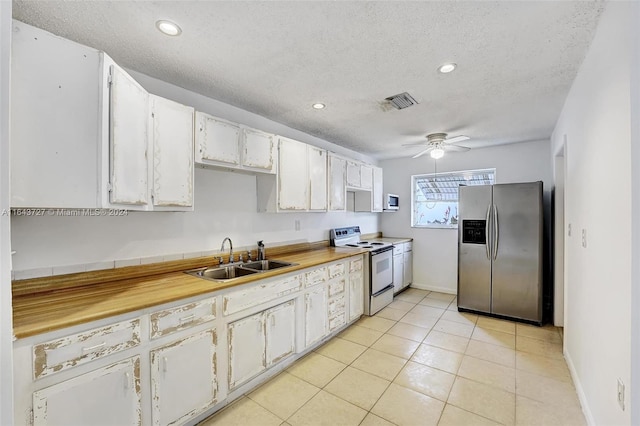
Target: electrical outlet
<point>584,238</point>
<point>297,224</point>
<point>621,394</point>
<point>569,230</point>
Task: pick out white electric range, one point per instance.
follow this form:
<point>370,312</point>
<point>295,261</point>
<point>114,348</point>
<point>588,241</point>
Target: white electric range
<point>378,268</point>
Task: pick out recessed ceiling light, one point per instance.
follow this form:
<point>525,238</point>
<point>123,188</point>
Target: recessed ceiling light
<point>318,105</point>
<point>447,68</point>
<point>169,28</point>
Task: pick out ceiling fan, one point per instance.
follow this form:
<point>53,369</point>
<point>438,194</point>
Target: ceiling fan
<point>438,143</point>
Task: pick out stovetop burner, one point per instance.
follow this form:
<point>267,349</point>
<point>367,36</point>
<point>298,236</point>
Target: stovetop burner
<point>350,237</point>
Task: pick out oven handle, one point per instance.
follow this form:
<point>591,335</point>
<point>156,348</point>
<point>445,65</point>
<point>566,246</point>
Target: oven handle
<point>382,250</point>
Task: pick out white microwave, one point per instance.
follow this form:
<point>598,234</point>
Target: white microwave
<point>393,202</point>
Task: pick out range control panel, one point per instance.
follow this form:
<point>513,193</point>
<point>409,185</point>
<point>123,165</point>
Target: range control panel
<point>474,231</point>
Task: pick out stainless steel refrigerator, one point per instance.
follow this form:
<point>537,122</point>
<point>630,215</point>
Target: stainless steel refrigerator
<point>500,250</point>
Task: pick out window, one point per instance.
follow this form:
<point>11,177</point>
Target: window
<point>434,197</point>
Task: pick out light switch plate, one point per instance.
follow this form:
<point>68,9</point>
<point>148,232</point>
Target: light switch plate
<point>584,238</point>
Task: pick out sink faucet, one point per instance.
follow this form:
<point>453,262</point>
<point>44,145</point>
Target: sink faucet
<point>230,248</point>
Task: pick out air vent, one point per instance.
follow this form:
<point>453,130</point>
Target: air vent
<point>401,101</point>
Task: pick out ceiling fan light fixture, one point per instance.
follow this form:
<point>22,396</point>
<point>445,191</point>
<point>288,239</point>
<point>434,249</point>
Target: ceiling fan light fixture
<point>437,153</point>
<point>169,28</point>
<point>318,105</point>
<point>447,68</point>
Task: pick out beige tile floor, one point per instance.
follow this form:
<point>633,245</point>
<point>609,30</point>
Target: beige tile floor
<point>420,362</point>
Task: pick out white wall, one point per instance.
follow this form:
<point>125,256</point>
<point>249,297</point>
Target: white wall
<point>596,122</point>
<point>6,313</point>
<point>225,205</point>
<point>435,251</point>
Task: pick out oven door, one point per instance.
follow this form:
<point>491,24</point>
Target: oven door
<point>381,269</point>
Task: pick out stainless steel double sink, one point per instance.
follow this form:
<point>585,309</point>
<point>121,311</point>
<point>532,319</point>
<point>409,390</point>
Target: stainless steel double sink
<point>229,272</point>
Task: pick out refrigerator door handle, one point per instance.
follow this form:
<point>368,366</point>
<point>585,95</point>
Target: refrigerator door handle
<point>496,232</point>
<point>486,232</point>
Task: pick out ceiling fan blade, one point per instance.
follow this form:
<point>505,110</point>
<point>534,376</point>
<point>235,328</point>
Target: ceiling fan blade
<point>457,139</point>
<point>455,148</point>
<point>421,153</point>
<point>423,143</point>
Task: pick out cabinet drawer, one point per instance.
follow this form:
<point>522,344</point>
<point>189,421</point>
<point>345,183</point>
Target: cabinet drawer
<point>76,349</point>
<point>337,287</point>
<point>355,265</point>
<point>408,246</point>
<point>315,277</point>
<point>335,270</point>
<point>181,317</point>
<point>247,297</point>
<point>398,249</point>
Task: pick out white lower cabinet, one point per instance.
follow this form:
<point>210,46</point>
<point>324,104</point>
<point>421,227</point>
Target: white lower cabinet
<point>315,314</point>
<point>280,332</point>
<point>112,373</point>
<point>260,341</point>
<point>246,349</point>
<point>183,378</point>
<point>107,396</point>
<point>356,295</point>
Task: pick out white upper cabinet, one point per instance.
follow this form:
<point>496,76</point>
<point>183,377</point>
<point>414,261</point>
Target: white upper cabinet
<point>353,174</point>
<point>337,183</point>
<point>217,140</point>
<point>376,193</point>
<point>366,177</point>
<point>293,175</point>
<point>317,178</point>
<point>95,136</point>
<point>172,130</point>
<point>258,150</point>
<point>129,139</point>
<point>222,143</point>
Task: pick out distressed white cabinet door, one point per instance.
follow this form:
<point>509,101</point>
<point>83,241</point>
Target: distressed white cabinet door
<point>315,315</point>
<point>293,176</point>
<point>258,149</point>
<point>281,331</point>
<point>129,140</point>
<point>377,203</point>
<point>106,396</point>
<point>183,378</point>
<point>398,272</point>
<point>353,174</point>
<point>246,349</point>
<point>337,189</point>
<point>217,140</point>
<point>317,178</point>
<point>356,295</point>
<point>407,268</point>
<point>366,177</point>
<point>172,130</point>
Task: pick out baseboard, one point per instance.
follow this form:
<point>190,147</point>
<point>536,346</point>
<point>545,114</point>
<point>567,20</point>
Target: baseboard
<point>578,385</point>
<point>433,288</point>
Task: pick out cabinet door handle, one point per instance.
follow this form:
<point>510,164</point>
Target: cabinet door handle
<point>186,319</point>
<point>273,320</point>
<point>127,380</point>
<point>93,348</point>
<point>165,364</point>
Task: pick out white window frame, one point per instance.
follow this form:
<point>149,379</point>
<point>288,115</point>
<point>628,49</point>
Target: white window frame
<point>457,174</point>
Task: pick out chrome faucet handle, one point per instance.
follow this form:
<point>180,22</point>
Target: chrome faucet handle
<point>230,256</point>
<point>220,260</point>
<point>248,256</point>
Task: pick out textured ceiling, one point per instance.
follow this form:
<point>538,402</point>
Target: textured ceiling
<point>516,61</point>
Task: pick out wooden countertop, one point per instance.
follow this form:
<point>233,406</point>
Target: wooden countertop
<point>45,311</point>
